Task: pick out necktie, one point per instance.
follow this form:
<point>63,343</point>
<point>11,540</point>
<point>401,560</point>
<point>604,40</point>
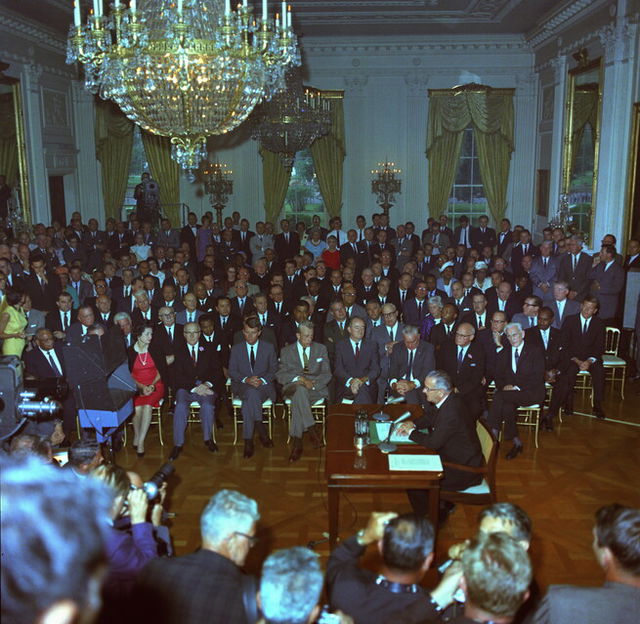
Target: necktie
<point>517,357</point>
<point>531,323</point>
<point>252,358</point>
<point>305,359</point>
<point>357,350</point>
<point>544,262</point>
<point>65,323</point>
<point>353,245</point>
<point>127,291</point>
<point>420,310</point>
<point>403,294</point>
<point>447,329</point>
<point>56,370</point>
<point>193,355</point>
<point>460,358</point>
<point>190,317</point>
<point>170,332</point>
<point>575,263</point>
<point>278,307</point>
<point>545,338</point>
<point>341,323</point>
<point>263,320</point>
<point>525,249</point>
<point>464,237</point>
<point>223,322</point>
<point>410,369</point>
<point>286,237</point>
<point>585,327</point>
<point>391,333</point>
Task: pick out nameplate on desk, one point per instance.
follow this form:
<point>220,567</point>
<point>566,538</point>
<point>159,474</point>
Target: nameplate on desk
<point>423,463</point>
<point>382,429</point>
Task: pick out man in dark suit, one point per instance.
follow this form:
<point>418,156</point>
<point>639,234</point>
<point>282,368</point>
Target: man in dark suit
<point>243,240</point>
<point>41,286</point>
<point>464,361</point>
<point>290,326</point>
<point>286,244</point>
<point>583,341</point>
<point>416,307</point>
<point>350,248</point>
<point>82,287</point>
<point>241,304</point>
<point>519,381</point>
<point>386,336</point>
<point>504,237</point>
<point>207,585</point>
<point>608,279</point>
<point>561,306</point>
<point>143,312</point>
<point>267,317</point>
<point>452,435</point>
<point>365,249</point>
<point>503,299</point>
<point>483,235</point>
<point>478,315</point>
<point>493,340</point>
<point>197,372</point>
<point>252,368</point>
<point>463,302</point>
<point>356,365</point>
<point>45,361</point>
<point>444,331</point>
<point>524,248</point>
<point>617,551</point>
<point>575,268</point>
<point>632,261</point>
<point>336,330</point>
<point>104,311</point>
<point>226,323</point>
<point>85,318</point>
<point>168,336</point>
<point>411,360</point>
<point>60,320</point>
<point>167,236</point>
<point>189,232</point>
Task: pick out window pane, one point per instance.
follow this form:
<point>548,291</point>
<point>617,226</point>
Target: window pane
<point>463,176</point>
<point>303,198</point>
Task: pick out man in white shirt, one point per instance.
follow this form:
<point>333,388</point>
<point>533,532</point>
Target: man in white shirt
<point>561,305</point>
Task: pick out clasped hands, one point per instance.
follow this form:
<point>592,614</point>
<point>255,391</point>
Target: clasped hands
<point>303,381</point>
<point>203,390</point>
<point>254,381</point>
<point>402,386</point>
<point>356,384</point>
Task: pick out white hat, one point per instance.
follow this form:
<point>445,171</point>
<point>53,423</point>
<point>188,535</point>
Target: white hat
<point>480,265</point>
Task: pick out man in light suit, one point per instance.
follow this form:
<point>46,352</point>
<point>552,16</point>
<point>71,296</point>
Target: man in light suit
<point>260,242</point>
<point>35,318</point>
<point>252,368</point>
<point>190,314</point>
<point>356,365</point>
<point>409,364</point>
<point>617,550</point>
<point>530,310</point>
<point>304,373</point>
<point>167,236</point>
<point>561,306</point>
<point>608,281</point>
<point>544,270</point>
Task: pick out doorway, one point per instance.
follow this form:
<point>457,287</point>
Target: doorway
<point>56,198</point>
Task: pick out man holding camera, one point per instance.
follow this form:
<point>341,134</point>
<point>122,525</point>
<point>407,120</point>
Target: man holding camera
<point>147,196</point>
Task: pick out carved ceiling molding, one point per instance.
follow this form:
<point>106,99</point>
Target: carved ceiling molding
<point>35,70</point>
<point>37,34</point>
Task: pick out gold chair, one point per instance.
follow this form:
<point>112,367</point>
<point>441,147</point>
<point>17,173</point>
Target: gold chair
<point>194,417</point>
<point>485,492</point>
<point>610,360</point>
<point>529,416</point>
<point>318,410</point>
<point>156,419</point>
<point>236,406</point>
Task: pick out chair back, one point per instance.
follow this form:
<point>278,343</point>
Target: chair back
<point>487,443</point>
<point>612,339</point>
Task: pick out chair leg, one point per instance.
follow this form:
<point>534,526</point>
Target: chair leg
<point>537,425</point>
<point>235,426</point>
<point>624,374</point>
<point>160,426</point>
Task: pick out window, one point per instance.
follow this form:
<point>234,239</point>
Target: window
<point>137,167</point>
<point>467,194</point>
<point>303,198</point>
<point>581,186</point>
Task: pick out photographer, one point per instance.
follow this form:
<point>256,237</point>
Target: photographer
<point>147,196</point>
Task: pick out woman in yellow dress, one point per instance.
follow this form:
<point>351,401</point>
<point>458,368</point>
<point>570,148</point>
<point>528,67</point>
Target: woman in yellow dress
<point>13,323</point>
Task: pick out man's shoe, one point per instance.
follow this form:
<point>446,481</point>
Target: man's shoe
<point>315,436</point>
<point>599,413</point>
<point>248,449</point>
<point>516,449</point>
<point>296,451</point>
<point>568,409</point>
<point>211,445</point>
<point>175,453</point>
<point>265,440</point>
<point>219,423</point>
<point>547,423</point>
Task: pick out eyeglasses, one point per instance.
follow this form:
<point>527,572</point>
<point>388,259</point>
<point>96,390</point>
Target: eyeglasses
<point>427,389</point>
<point>252,539</point>
<point>463,335</point>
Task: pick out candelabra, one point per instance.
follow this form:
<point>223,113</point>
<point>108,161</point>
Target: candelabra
<point>385,185</point>
<point>218,185</point>
<point>184,69</point>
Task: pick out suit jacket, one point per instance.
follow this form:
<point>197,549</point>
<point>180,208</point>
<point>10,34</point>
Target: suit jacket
<point>108,322</point>
<point>472,317</point>
<point>193,589</point>
<point>219,345</point>
<point>247,309</point>
<point>503,244</point>
<point>35,320</point>
<point>168,239</point>
<point>54,322</point>
<point>266,365</point>
<point>424,361</point>
<point>84,290</point>
<point>614,603</point>
<point>512,307</point>
<point>468,377</point>
<point>42,298</point>
<point>163,343</point>
<point>517,253</point>
<point>186,374</point>
<point>578,280</point>
<point>187,236</point>
<point>411,314</point>
<point>332,336</point>
<point>540,275</point>
<point>137,318</point>
<point>319,371</point>
<point>439,241</point>
<point>286,250</point>
<point>576,344</point>
<point>38,366</point>
<point>453,435</point>
<point>554,350</point>
<point>485,338</point>
<point>439,337</point>
<point>523,319</point>
<point>464,305</point>
<point>365,254</point>
<point>346,365</point>
<point>258,243</point>
<point>380,336</point>
<point>571,307</point>
<point>611,284</point>
<point>529,375</point>
<point>347,251</point>
<point>480,239</point>
<point>456,236</point>
<point>628,264</point>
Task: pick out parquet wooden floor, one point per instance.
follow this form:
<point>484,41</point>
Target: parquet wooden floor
<point>582,465</point>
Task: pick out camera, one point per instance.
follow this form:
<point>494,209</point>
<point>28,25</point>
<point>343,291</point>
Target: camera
<point>153,485</point>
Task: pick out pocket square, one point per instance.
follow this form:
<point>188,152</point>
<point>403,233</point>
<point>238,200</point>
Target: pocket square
<point>318,359</point>
<point>473,364</point>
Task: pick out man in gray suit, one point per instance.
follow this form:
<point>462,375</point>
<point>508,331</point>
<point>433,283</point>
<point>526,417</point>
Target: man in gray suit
<point>167,236</point>
<point>544,269</point>
<point>252,368</point>
<point>304,373</point>
<point>260,242</point>
<point>385,337</point>
<point>357,368</point>
<point>617,550</point>
<point>561,305</point>
<point>411,361</point>
<point>608,281</point>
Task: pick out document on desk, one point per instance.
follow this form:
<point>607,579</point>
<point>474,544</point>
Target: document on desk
<point>382,429</point>
<point>423,463</point>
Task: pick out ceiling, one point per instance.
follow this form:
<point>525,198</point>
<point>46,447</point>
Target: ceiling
<point>355,18</point>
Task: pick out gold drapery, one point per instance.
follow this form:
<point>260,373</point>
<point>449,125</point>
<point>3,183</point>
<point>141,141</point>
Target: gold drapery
<point>491,114</point>
<point>328,154</point>
<point>275,182</point>
<point>166,172</point>
<point>114,142</point>
<point>8,139</point>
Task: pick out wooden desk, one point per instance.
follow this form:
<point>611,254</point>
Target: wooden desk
<point>341,455</point>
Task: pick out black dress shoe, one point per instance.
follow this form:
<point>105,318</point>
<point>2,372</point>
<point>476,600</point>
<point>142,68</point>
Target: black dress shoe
<point>248,449</point>
<point>211,445</point>
<point>599,413</point>
<point>516,449</point>
<point>139,454</point>
<point>266,442</point>
<point>547,424</point>
<point>568,409</point>
<point>296,450</point>
<point>175,453</point>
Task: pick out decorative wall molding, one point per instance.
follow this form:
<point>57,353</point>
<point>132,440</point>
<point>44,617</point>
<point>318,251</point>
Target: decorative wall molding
<point>617,41</point>
<point>417,83</point>
<point>36,33</point>
<point>355,85</point>
<point>13,57</point>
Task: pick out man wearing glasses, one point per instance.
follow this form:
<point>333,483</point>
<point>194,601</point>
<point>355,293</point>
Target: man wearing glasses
<point>207,585</point>
<point>529,315</point>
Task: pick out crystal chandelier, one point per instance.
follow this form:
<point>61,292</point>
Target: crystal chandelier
<point>385,185</point>
<point>218,185</point>
<point>184,69</point>
<point>292,120</point>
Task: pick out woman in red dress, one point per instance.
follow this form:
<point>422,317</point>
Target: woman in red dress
<point>331,255</point>
<point>150,387</point>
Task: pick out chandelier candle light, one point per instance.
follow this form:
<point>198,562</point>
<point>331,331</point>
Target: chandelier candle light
<point>218,185</point>
<point>184,69</point>
<point>386,184</point>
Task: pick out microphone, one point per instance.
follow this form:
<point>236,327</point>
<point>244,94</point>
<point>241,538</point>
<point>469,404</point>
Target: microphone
<point>384,417</point>
<point>386,446</point>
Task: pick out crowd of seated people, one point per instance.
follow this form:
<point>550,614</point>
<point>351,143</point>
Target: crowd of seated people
<point>379,307</point>
<point>84,545</point>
